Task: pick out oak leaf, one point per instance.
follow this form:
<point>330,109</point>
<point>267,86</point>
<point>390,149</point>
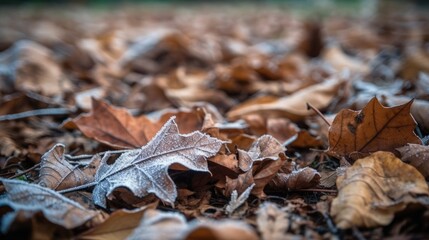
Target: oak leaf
<point>354,134</point>
<point>374,189</point>
<point>144,170</point>
<point>417,156</point>
<point>33,198</point>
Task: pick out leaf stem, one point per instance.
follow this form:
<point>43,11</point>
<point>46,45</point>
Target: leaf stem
<point>309,106</point>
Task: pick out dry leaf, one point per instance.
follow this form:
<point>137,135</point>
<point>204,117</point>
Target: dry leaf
<point>144,170</point>
<point>298,179</point>
<point>354,134</point>
<point>293,106</point>
<point>33,68</point>
<point>116,127</point>
<point>168,225</point>
<point>272,222</point>
<point>56,173</point>
<point>33,198</point>
<point>160,225</point>
<point>417,156</point>
<point>240,184</point>
<point>119,225</point>
<point>374,189</point>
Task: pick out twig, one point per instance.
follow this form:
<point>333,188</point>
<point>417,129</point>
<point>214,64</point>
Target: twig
<point>85,156</point>
<point>332,228</point>
<point>38,112</point>
<point>80,187</point>
<point>315,190</point>
<point>357,234</point>
<point>25,171</point>
<point>309,106</point>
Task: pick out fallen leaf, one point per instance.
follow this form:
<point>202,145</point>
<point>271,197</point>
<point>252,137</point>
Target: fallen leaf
<point>298,179</point>
<point>116,127</point>
<point>56,173</point>
<point>33,198</point>
<point>119,225</point>
<point>272,222</point>
<point>417,156</point>
<point>33,68</point>
<point>168,225</point>
<point>293,106</point>
<point>354,134</point>
<point>144,170</point>
<point>374,189</point>
<point>240,184</point>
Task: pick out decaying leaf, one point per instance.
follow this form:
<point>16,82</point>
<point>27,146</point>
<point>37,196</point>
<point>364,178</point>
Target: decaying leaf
<point>167,225</point>
<point>119,225</point>
<point>417,156</point>
<point>32,198</point>
<point>294,106</point>
<point>298,179</point>
<point>116,127</point>
<point>354,134</point>
<point>272,222</point>
<point>56,173</point>
<point>144,170</point>
<point>374,189</point>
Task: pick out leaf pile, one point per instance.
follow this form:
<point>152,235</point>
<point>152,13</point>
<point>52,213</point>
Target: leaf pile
<point>204,123</point>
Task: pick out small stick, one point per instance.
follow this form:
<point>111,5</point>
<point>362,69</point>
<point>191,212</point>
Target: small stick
<point>315,190</point>
<point>309,106</point>
<point>80,187</point>
<point>85,156</point>
<point>38,112</point>
<point>25,171</point>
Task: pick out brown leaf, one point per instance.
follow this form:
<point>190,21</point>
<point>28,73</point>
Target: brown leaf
<point>116,127</point>
<point>374,189</point>
<point>56,173</point>
<point>298,179</point>
<point>168,225</point>
<point>33,68</point>
<point>417,156</point>
<point>239,184</point>
<point>272,222</point>
<point>119,225</point>
<point>375,128</point>
<point>293,106</point>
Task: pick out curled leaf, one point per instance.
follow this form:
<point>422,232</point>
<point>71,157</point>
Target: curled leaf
<point>56,173</point>
<point>374,189</point>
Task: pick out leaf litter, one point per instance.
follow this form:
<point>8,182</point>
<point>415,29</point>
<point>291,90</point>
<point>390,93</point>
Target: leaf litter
<point>155,123</point>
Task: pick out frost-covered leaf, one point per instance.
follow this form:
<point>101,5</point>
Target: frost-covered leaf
<point>32,198</point>
<point>56,173</point>
<point>236,201</point>
<point>145,170</point>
